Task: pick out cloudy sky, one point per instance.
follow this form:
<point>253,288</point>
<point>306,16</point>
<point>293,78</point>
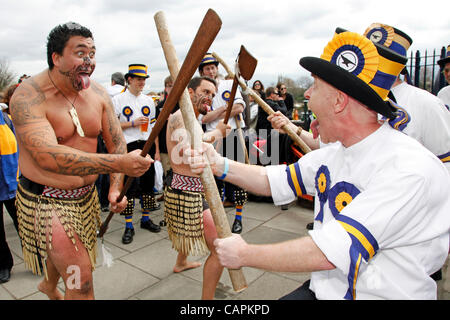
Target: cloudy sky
<point>277,33</point>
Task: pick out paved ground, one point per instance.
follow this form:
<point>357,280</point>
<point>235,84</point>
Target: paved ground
<point>142,270</point>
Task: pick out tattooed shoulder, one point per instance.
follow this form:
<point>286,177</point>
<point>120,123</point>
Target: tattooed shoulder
<point>98,89</point>
<point>26,97</point>
<point>175,121</point>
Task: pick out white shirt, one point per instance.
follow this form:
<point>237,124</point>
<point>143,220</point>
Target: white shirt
<point>444,95</point>
<point>221,99</point>
<point>395,215</point>
<point>426,119</point>
<point>114,90</point>
<point>128,107</point>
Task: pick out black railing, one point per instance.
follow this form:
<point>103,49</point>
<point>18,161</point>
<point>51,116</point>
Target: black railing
<point>424,71</point>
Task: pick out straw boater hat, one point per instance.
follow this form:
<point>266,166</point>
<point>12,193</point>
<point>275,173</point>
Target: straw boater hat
<point>137,70</point>
<point>208,59</point>
<point>445,60</point>
<point>363,70</point>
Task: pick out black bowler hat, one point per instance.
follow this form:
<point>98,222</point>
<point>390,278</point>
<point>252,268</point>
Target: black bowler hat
<point>353,64</point>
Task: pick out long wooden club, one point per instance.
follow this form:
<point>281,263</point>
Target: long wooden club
<point>204,38</point>
<point>297,140</point>
<point>195,131</point>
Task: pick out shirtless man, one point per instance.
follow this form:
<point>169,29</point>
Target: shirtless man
<point>58,115</point>
<point>183,196</point>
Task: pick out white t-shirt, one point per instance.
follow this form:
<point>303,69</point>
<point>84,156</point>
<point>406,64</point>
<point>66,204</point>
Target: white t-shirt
<point>381,215</point>
<point>114,90</point>
<point>425,118</point>
<point>444,95</point>
<point>221,99</point>
<point>128,107</point>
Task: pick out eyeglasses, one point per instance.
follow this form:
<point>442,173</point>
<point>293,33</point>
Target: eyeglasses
<point>282,88</point>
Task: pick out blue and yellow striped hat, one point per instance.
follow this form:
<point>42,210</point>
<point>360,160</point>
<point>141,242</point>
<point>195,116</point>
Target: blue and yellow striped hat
<point>355,65</point>
<point>207,59</point>
<point>389,37</point>
<point>137,70</point>
<point>445,60</point>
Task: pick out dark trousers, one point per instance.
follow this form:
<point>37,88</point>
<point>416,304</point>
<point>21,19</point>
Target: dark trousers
<point>102,182</point>
<point>6,259</point>
<point>231,148</point>
<point>301,293</point>
<point>145,183</point>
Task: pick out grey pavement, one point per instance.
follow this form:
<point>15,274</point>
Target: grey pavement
<point>142,270</point>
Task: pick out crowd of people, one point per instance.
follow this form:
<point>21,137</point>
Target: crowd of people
<point>373,134</point>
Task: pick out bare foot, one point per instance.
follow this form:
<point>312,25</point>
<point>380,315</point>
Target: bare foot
<point>187,265</point>
<point>52,294</point>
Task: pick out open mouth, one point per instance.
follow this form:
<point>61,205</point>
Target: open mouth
<point>84,79</point>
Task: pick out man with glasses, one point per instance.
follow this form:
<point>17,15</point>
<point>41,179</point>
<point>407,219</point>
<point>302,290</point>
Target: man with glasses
<point>444,93</point>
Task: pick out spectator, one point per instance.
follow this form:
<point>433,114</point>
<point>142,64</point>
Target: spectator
<point>444,93</point>
<point>117,84</point>
<point>259,87</point>
<point>288,99</point>
<point>136,112</point>
<point>9,172</point>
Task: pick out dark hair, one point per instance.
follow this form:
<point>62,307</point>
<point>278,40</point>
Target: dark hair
<point>269,91</point>
<point>8,93</point>
<point>58,37</point>
<point>195,82</point>
<point>168,80</point>
<point>262,86</point>
<point>118,78</point>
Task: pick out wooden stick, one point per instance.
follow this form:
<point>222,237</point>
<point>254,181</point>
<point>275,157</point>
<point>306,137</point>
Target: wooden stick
<point>196,133</point>
<point>297,140</point>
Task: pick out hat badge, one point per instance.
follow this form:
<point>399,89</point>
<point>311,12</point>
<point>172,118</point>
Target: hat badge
<point>347,60</point>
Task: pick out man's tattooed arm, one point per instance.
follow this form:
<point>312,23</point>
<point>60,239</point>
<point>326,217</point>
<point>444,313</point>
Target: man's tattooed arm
<point>111,132</point>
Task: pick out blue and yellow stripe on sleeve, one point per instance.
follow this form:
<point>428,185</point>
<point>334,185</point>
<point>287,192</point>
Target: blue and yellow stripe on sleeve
<point>445,157</point>
<point>364,246</point>
<point>294,178</point>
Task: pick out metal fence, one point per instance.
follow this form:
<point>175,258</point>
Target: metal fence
<point>424,70</point>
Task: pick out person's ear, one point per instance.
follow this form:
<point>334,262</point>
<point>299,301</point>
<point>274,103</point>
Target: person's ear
<point>341,101</point>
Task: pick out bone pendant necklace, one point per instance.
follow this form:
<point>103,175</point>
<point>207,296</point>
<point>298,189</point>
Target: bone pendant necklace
<point>72,111</point>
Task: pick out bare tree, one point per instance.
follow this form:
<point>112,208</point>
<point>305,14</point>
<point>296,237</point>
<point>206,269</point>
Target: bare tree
<point>6,76</point>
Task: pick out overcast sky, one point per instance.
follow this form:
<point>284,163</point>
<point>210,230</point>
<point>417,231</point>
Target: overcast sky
<point>277,33</point>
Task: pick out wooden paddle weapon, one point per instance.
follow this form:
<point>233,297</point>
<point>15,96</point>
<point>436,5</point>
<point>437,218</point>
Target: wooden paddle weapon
<point>297,140</point>
<point>246,65</point>
<point>204,38</point>
<point>193,127</point>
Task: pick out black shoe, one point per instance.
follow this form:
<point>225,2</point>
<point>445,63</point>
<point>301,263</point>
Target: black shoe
<point>150,226</point>
<point>237,226</point>
<point>156,207</point>
<point>163,223</point>
<point>5,275</point>
<point>284,207</point>
<point>310,226</point>
<point>128,236</point>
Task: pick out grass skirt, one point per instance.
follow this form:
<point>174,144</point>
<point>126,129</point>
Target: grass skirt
<point>79,216</point>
